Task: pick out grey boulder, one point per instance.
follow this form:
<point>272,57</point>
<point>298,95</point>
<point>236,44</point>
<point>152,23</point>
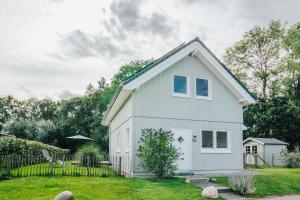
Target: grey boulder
<point>65,195</point>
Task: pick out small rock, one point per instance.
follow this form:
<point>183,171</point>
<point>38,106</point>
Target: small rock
<point>250,193</point>
<point>65,195</point>
<point>210,192</point>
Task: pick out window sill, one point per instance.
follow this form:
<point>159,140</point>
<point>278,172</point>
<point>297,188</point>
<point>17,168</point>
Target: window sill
<point>181,95</point>
<point>216,151</point>
<point>118,151</point>
<point>203,98</point>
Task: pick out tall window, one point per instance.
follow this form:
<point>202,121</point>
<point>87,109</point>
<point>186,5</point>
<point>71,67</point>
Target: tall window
<point>221,139</point>
<point>248,150</point>
<point>203,88</point>
<point>127,138</point>
<point>180,85</point>
<point>118,142</point>
<point>207,139</point>
<point>254,149</point>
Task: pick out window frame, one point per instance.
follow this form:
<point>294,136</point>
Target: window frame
<point>214,149</point>
<point>253,148</point>
<point>217,139</point>
<point>175,94</point>
<point>209,87</point>
<point>248,152</point>
<point>118,146</point>
<point>127,140</point>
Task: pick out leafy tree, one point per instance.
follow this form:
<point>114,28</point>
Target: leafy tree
<point>157,153</point>
<point>291,44</point>
<point>255,59</point>
<point>128,70</point>
<point>277,117</point>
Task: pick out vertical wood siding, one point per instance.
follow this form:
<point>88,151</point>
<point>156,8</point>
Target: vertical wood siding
<point>119,125</point>
<point>154,106</point>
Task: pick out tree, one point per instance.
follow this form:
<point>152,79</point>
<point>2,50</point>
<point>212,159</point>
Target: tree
<point>291,44</point>
<point>255,59</point>
<point>128,70</point>
<point>157,153</point>
<point>277,117</point>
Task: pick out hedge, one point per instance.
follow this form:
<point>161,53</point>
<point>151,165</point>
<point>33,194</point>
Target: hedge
<point>12,145</point>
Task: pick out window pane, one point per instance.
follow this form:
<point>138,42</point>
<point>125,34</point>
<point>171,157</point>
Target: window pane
<point>254,149</point>
<point>201,87</point>
<point>180,84</point>
<point>248,150</point>
<point>221,139</point>
<point>207,139</point>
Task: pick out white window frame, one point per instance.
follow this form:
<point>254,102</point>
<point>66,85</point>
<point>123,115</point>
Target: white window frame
<point>247,153</point>
<point>214,149</point>
<point>127,140</point>
<point>209,97</point>
<point>118,146</point>
<point>188,94</point>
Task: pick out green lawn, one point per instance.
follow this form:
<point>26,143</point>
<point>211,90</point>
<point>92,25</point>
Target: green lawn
<point>98,188</point>
<point>274,181</point>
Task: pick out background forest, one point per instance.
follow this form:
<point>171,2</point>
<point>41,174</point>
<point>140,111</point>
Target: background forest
<point>266,60</point>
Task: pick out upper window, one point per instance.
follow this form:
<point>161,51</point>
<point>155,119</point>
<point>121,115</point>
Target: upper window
<point>203,88</point>
<point>207,139</point>
<point>180,85</point>
<point>221,139</point>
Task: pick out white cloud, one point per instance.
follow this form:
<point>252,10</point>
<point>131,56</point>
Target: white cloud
<point>56,47</point>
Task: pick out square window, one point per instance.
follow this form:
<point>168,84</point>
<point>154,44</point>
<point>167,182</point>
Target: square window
<point>201,87</point>
<point>221,139</point>
<point>207,139</point>
<point>180,84</point>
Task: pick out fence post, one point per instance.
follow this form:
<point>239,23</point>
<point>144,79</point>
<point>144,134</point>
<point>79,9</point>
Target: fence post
<point>51,165</point>
<point>88,165</point>
<point>120,166</point>
<point>256,160</point>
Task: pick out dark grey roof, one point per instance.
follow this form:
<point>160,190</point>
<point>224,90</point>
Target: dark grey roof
<point>270,141</point>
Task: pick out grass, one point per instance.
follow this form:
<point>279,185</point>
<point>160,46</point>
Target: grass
<point>274,181</point>
<point>90,188</point>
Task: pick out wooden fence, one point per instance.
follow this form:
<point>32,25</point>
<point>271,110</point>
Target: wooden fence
<point>68,165</point>
<point>266,159</point>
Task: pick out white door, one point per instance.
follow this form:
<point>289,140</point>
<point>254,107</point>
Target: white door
<point>183,141</point>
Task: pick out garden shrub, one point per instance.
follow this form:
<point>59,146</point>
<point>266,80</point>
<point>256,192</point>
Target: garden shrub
<point>89,153</point>
<point>157,153</point>
<point>241,183</point>
<point>12,145</point>
<point>292,159</point>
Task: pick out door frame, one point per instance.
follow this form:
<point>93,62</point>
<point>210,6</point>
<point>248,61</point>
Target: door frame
<point>189,131</point>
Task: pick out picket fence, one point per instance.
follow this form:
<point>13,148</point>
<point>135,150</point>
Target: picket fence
<point>67,165</point>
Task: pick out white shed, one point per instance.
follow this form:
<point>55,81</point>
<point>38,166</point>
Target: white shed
<point>268,151</point>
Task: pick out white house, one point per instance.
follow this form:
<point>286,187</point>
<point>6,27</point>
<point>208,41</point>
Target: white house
<point>190,92</point>
<point>269,151</point>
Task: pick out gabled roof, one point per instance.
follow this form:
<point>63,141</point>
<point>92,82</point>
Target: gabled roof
<point>195,47</point>
<point>272,141</point>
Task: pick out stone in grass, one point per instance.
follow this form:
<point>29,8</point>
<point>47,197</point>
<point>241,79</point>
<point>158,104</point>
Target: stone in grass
<point>250,193</point>
<point>210,192</point>
<point>65,195</point>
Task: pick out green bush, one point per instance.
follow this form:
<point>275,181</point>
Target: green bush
<point>157,153</point>
<point>292,159</point>
<point>12,145</point>
<point>88,154</point>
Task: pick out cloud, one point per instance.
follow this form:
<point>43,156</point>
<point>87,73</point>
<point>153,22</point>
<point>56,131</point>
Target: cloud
<point>66,94</point>
<point>126,17</point>
<point>78,44</point>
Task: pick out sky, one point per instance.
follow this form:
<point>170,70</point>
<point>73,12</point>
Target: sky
<point>55,48</point>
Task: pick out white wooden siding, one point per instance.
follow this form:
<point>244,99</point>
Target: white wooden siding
<point>154,106</point>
